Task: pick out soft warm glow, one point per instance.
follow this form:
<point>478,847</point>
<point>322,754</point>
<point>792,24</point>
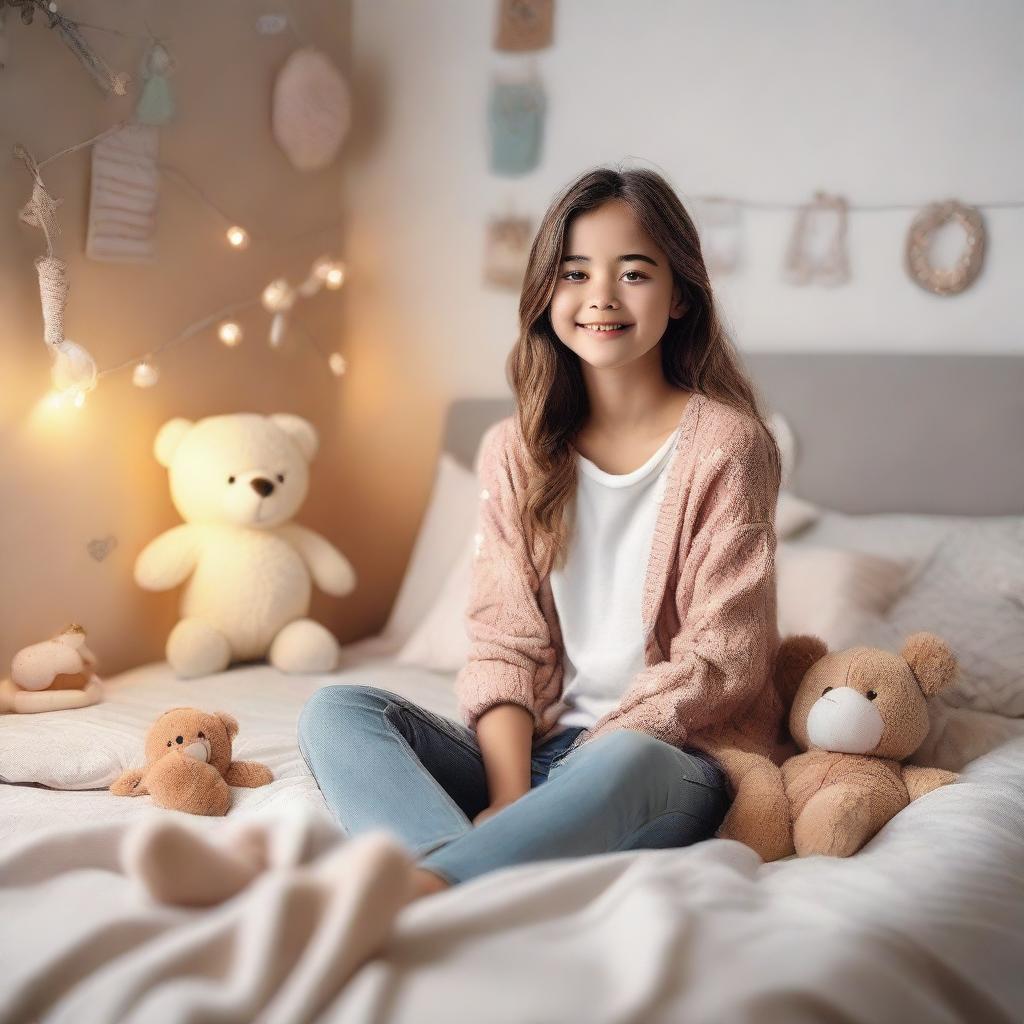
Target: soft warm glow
<point>79,399</point>
<point>238,237</point>
<point>230,332</point>
<point>337,364</point>
<point>335,277</point>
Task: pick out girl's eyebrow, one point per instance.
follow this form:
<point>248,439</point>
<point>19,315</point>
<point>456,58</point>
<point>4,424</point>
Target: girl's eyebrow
<point>628,258</point>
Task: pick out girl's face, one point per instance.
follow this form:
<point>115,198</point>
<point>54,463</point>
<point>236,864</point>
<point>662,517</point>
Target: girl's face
<point>612,273</point>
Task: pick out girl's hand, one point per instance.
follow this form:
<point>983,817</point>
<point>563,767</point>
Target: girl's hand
<point>493,809</point>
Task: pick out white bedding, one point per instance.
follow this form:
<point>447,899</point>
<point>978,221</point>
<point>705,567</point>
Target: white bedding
<point>925,924</point>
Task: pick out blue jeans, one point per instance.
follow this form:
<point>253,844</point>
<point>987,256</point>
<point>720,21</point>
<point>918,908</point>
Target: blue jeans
<point>383,762</point>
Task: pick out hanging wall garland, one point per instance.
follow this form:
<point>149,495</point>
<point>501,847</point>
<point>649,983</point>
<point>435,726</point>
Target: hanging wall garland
<point>953,280</point>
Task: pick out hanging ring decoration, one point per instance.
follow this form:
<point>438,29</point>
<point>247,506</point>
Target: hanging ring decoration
<point>947,280</point>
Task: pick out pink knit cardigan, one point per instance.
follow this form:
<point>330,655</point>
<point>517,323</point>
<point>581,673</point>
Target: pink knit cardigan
<point>709,605</point>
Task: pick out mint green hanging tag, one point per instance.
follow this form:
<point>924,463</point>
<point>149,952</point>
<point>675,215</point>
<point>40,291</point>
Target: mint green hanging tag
<point>156,104</point>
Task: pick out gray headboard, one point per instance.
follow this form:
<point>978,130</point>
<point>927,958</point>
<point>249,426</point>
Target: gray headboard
<point>939,434</point>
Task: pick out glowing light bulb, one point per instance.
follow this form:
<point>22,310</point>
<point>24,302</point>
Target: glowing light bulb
<point>238,237</point>
<point>230,332</point>
<point>335,277</point>
<point>73,368</point>
<point>145,375</point>
<point>278,296</point>
<point>337,363</point>
<point>322,267</point>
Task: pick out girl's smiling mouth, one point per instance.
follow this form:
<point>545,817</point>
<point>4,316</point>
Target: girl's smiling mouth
<point>608,328</point>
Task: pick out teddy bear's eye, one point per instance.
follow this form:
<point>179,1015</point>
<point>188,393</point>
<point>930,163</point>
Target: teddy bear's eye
<point>827,688</point>
<point>280,478</point>
<point>201,736</point>
<point>231,479</point>
<point>871,695</point>
<point>180,739</point>
<point>168,743</point>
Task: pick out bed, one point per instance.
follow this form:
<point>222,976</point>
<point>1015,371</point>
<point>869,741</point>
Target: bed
<point>919,520</point>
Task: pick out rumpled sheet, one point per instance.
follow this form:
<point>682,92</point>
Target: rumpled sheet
<point>925,924</point>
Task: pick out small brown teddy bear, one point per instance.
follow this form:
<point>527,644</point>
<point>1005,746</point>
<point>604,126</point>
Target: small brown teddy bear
<point>858,713</point>
<point>189,766</point>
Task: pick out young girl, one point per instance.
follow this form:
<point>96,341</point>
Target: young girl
<point>623,596</point>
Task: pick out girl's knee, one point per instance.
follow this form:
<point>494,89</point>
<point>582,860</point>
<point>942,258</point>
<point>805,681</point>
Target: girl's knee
<point>331,707</point>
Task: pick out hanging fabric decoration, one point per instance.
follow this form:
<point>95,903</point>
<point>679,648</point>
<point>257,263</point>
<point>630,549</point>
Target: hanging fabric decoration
<point>123,199</point>
<point>506,249</point>
<point>156,103</point>
<point>73,370</point>
<point>720,230</point>
<point>312,109</point>
<point>817,247</point>
<point>516,120</point>
<point>524,25</point>
<point>955,279</point>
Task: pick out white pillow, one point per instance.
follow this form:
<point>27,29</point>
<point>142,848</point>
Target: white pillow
<point>441,642</point>
<point>833,594</point>
<point>792,514</point>
<point>447,522</point>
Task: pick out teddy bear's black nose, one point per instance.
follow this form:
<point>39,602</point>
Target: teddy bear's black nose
<point>261,486</point>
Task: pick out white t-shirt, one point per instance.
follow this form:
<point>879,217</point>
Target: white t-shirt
<point>598,593</point>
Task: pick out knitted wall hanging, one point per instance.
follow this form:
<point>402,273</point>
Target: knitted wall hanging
<point>524,25</point>
<point>515,115</point>
<point>156,104</point>
<point>506,249</point>
<point>952,280</point>
<point>720,227</point>
<point>817,247</point>
<point>312,109</point>
<point>123,197</point>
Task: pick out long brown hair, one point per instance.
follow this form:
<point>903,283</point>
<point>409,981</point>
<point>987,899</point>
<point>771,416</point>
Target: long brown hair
<point>544,373</point>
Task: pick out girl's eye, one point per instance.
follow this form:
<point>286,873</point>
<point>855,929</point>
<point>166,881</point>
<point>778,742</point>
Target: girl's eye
<point>637,276</point>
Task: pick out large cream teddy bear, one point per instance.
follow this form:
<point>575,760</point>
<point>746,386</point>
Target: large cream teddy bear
<point>237,480</point>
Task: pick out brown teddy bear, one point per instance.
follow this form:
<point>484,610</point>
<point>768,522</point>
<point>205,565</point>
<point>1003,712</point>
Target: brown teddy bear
<point>189,766</point>
<point>858,713</point>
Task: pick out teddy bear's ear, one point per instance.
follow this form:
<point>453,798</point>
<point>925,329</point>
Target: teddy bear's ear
<point>795,656</point>
<point>168,437</point>
<point>301,431</point>
<point>230,723</point>
<point>934,665</point>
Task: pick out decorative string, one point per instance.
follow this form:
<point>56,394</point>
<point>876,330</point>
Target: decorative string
<point>859,207</point>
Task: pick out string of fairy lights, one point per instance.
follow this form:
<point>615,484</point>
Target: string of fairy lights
<point>74,372</point>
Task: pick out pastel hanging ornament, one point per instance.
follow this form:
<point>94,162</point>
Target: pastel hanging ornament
<point>817,247</point>
<point>515,115</point>
<point>311,109</point>
<point>156,102</point>
<point>720,230</point>
<point>123,196</point>
<point>918,256</point>
<point>506,249</point>
<point>524,25</point>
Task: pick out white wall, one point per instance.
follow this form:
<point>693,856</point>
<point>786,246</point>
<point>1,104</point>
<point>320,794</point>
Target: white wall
<point>908,101</point>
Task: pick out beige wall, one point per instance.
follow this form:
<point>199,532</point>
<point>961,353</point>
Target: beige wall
<point>78,476</point>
